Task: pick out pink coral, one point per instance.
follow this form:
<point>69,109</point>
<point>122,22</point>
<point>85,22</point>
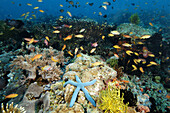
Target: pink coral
<point>143,108</point>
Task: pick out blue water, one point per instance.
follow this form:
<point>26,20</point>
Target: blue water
<point>155,8</point>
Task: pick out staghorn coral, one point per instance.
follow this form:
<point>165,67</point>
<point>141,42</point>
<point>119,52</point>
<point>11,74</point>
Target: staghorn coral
<point>25,63</point>
<point>110,101</point>
<point>12,109</point>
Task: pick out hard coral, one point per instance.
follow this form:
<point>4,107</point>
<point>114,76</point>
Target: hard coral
<point>110,101</point>
<point>134,19</point>
<point>25,63</point>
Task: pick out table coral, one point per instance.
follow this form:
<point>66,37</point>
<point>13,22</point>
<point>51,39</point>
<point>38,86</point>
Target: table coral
<point>81,86</point>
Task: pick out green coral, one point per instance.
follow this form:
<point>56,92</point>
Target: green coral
<point>111,102</point>
<point>134,19</point>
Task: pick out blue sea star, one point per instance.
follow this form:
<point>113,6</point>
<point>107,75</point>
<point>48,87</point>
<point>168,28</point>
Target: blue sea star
<point>81,86</point>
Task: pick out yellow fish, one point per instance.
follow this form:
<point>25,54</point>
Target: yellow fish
<point>40,1</point>
<point>41,11</point>
<point>12,28</point>
<point>96,64</point>
<point>92,50</point>
<point>61,5</point>
<point>136,53</point>
<point>110,35</point>
<point>29,4</point>
<point>141,69</point>
<point>116,46</point>
<point>36,7</point>
<point>67,38</point>
<point>36,57</point>
<point>76,50</point>
<point>151,55</point>
<point>46,68</point>
<point>47,38</point>
<point>23,14</point>
<point>54,60</point>
<point>69,52</point>
<point>153,63</point>
<point>134,67</point>
<point>100,13</point>
<point>150,24</point>
<point>105,7</point>
<point>126,45</point>
<point>34,16</point>
<point>81,47</point>
<point>69,13</point>
<point>11,96</point>
<point>145,37</point>
<point>129,52</point>
<point>63,47</point>
<point>78,55</point>
<point>31,41</point>
<point>115,32</point>
<point>140,43</point>
<point>79,36</point>
<point>103,37</point>
<point>56,31</point>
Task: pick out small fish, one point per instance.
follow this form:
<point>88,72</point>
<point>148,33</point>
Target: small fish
<point>39,0</point>
<point>54,60</point>
<point>82,30</point>
<point>34,16</point>
<point>105,7</point>
<point>41,11</point>
<point>61,5</point>
<point>140,43</point>
<point>81,47</point>
<point>151,55</point>
<point>92,50</point>
<point>36,7</point>
<point>153,63</point>
<point>29,39</point>
<point>69,13</point>
<point>126,36</point>
<point>94,44</point>
<point>116,46</point>
<point>11,96</point>
<point>23,15</point>
<point>100,13</point>
<point>116,55</point>
<point>46,68</point>
<point>69,52</point>
<point>64,46</point>
<point>78,55</point>
<point>47,38</point>
<point>106,3</point>
<point>103,37</point>
<point>134,67</point>
<point>46,42</point>
<point>130,33</point>
<point>110,35</point>
<point>141,69</point>
<point>96,64</point>
<point>79,36</point>
<point>150,24</point>
<point>67,38</point>
<point>12,28</point>
<point>115,32</point>
<point>135,61</point>
<point>29,4</point>
<point>136,53</point>
<point>126,45</point>
<point>76,50</point>
<point>56,31</point>
<point>129,52</point>
<point>61,17</point>
<point>36,57</point>
<point>145,37</point>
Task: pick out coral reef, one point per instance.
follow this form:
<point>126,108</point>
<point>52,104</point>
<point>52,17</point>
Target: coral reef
<point>134,19</point>
<point>136,30</point>
<point>25,63</point>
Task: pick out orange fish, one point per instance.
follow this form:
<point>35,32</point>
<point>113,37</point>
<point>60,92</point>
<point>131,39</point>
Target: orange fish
<point>46,42</point>
<point>79,55</point>
<point>54,60</point>
<point>36,57</point>
<point>141,69</point>
<point>63,47</point>
<point>11,96</point>
<point>69,52</point>
<point>69,13</point>
<point>29,39</point>
<point>67,38</point>
<point>150,24</point>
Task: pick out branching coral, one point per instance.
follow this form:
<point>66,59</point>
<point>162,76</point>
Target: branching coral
<point>134,19</point>
<point>25,63</point>
<point>110,101</point>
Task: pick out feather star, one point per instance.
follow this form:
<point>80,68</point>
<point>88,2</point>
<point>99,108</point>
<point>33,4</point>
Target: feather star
<point>81,86</point>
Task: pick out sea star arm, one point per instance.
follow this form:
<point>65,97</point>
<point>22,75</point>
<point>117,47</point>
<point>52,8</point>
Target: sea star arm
<point>88,96</point>
<point>73,99</point>
<point>70,82</point>
<point>89,83</point>
<point>77,79</point>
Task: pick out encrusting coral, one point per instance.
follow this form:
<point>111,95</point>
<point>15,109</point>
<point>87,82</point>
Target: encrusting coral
<point>53,73</point>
